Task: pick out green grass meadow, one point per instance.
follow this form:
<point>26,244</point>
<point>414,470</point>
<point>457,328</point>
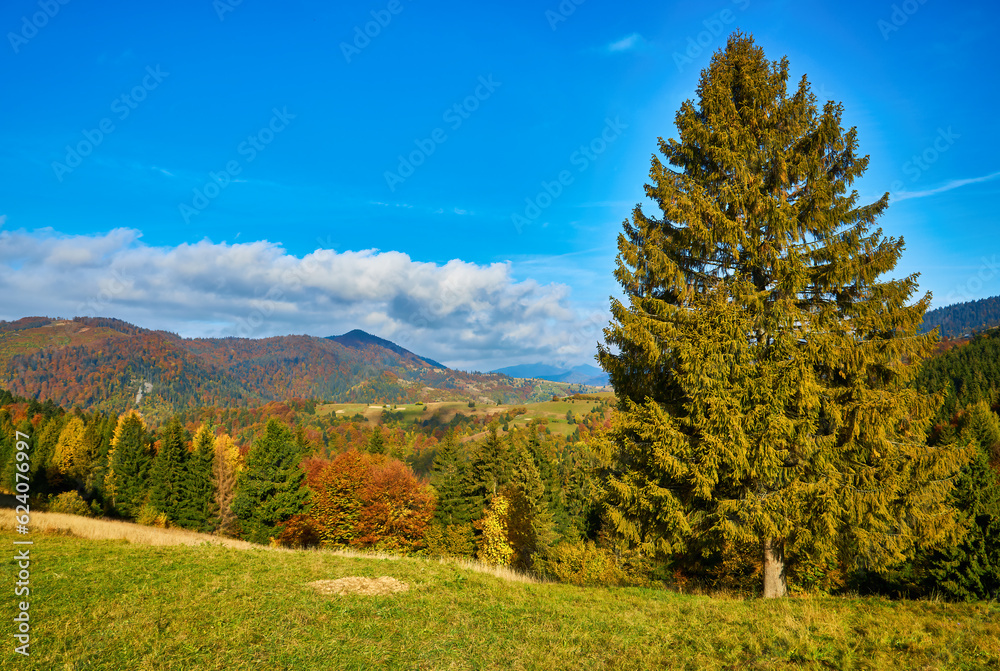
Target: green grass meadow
<point>114,605</point>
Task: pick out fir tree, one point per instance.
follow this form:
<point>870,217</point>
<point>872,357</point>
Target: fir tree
<point>489,470</point>
<point>451,532</point>
<point>100,433</point>
<point>531,528</point>
<point>971,569</point>
<point>129,462</point>
<point>9,452</point>
<point>447,478</point>
<point>376,443</point>
<point>199,510</point>
<point>268,490</point>
<point>44,477</point>
<point>169,473</point>
<point>763,370</point>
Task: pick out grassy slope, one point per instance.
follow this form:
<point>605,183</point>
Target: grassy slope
<point>99,604</point>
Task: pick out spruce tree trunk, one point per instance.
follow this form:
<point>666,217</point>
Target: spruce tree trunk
<point>774,569</point>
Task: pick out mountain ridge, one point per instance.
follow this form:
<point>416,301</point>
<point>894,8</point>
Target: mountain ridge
<point>962,319</point>
<point>101,363</point>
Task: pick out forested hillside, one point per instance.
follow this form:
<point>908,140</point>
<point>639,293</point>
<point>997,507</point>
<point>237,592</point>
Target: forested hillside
<point>964,318</point>
<point>966,375</point>
<point>107,364</point>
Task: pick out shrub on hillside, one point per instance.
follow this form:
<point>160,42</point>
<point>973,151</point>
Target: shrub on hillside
<point>584,564</point>
<point>149,516</point>
<point>450,540</point>
<point>70,503</point>
<point>298,532</point>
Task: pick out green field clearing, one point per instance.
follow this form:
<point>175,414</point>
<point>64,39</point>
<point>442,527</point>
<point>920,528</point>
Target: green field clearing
<point>111,605</point>
<point>552,411</point>
<point>560,408</point>
<point>347,409</point>
<point>545,389</point>
<point>558,427</point>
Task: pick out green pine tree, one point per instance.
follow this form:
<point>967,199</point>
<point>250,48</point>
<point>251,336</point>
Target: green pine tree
<point>447,477</point>
<point>451,531</point>
<point>169,474</point>
<point>531,519</point>
<point>970,570</point>
<point>376,443</point>
<point>130,458</point>
<point>199,510</point>
<point>42,468</point>
<point>763,370</point>
<point>488,472</point>
<point>268,490</point>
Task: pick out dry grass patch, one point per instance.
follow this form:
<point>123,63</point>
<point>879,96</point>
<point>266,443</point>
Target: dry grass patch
<point>101,529</point>
<point>383,586</point>
<point>502,572</point>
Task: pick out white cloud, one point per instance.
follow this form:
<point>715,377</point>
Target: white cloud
<point>953,184</point>
<point>627,43</point>
<point>463,314</point>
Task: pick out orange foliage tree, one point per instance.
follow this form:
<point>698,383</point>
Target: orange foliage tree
<point>370,501</point>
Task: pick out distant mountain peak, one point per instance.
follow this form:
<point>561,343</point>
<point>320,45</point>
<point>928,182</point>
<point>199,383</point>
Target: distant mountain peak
<point>358,339</point>
<point>582,374</point>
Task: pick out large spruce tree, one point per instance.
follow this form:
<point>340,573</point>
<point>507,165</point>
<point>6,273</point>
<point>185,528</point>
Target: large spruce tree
<point>269,490</point>
<point>129,462</point>
<point>448,474</point>
<point>763,368</point>
<point>200,510</point>
<point>168,473</point>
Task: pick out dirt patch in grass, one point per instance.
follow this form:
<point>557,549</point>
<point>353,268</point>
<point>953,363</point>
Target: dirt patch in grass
<point>364,586</point>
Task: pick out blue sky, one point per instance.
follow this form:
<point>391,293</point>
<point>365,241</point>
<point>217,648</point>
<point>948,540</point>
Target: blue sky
<point>300,133</point>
